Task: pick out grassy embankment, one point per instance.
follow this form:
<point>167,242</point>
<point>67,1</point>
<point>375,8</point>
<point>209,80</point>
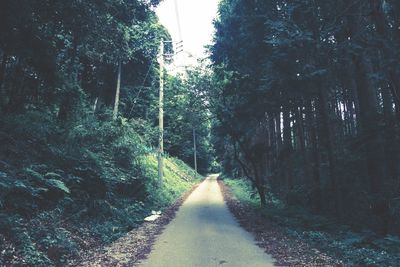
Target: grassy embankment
<point>65,189</point>
<point>354,247</point>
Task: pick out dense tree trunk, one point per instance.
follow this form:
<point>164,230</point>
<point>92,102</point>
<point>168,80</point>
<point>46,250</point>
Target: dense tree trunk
<point>272,155</point>
<point>250,167</point>
<point>382,30</point>
<point>2,78</point>
<point>95,104</point>
<point>277,119</point>
<point>117,92</point>
<point>368,118</point>
<point>316,196</point>
<point>69,95</point>
<point>326,133</point>
<point>331,72</point>
<point>287,147</point>
<point>300,130</point>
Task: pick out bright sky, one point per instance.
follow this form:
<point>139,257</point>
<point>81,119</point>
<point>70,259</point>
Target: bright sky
<point>196,18</point>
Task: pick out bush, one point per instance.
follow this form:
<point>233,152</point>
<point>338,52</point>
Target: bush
<point>87,179</point>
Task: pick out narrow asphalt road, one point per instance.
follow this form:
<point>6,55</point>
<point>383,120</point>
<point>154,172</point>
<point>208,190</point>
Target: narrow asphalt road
<point>204,233</point>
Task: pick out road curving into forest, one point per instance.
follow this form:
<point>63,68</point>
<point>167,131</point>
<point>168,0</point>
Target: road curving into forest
<point>205,233</point>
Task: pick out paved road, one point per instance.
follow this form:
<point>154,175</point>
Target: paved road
<point>204,233</point>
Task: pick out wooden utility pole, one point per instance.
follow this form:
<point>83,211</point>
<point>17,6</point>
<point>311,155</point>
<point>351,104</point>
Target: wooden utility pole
<point>194,150</point>
<point>161,117</point>
<point>116,103</point>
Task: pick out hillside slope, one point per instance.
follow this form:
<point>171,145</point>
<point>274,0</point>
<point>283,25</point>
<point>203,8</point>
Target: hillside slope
<point>63,191</point>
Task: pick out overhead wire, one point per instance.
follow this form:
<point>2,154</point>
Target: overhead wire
<point>141,87</point>
<point>178,20</point>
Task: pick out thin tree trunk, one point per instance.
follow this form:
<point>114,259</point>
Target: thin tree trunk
<point>259,183</point>
<point>300,130</point>
<point>287,150</point>
<point>2,78</point>
<point>95,104</point>
<point>272,142</point>
<point>388,53</point>
<point>315,157</point>
<point>326,134</point>
<point>278,131</point>
<point>68,98</point>
<point>117,92</point>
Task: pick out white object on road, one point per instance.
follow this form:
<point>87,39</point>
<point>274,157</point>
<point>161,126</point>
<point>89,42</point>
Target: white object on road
<point>204,233</point>
<point>154,216</point>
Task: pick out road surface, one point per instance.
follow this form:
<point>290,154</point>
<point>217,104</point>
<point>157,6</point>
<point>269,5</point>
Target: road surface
<point>204,233</point>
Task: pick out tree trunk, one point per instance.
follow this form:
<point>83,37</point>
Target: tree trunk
<point>69,97</point>
<point>369,122</point>
<point>117,91</point>
<point>326,133</point>
<point>316,201</point>
<point>287,147</point>
<point>95,104</point>
<point>2,78</point>
<point>278,131</point>
<point>261,193</point>
<point>300,130</point>
<point>259,184</point>
<point>388,53</point>
<point>272,142</point>
<point>366,94</point>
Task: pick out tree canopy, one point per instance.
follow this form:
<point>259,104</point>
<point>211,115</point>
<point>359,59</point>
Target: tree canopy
<point>307,103</point>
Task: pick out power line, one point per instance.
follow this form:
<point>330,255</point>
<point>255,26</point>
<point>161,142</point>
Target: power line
<point>179,48</point>
<point>178,21</point>
<point>140,89</point>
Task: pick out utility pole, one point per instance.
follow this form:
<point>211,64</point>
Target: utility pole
<point>194,150</point>
<point>161,117</point>
<point>160,153</point>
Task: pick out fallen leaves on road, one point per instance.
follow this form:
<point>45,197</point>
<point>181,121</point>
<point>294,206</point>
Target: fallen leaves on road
<point>134,246</point>
<point>286,250</point>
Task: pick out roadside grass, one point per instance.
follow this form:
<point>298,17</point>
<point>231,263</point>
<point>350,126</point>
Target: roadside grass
<point>178,178</point>
<point>53,236</point>
<point>243,192</point>
<point>354,248</point>
<point>67,188</point>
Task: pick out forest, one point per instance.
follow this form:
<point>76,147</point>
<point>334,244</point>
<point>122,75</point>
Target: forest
<point>79,126</point>
<point>307,104</point>
<point>297,106</point>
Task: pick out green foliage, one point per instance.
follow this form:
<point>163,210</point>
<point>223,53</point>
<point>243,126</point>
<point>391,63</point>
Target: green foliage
<point>29,251</point>
<point>59,185</point>
<point>58,61</point>
<point>307,107</point>
<point>96,179</point>
<point>187,110</point>
<point>243,191</point>
<point>48,181</point>
<point>354,248</point>
<point>68,171</point>
<point>178,178</point>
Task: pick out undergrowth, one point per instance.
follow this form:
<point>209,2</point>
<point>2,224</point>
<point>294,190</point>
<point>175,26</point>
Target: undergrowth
<point>67,188</point>
<point>355,248</point>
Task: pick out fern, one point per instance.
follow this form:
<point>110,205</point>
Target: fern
<point>54,183</point>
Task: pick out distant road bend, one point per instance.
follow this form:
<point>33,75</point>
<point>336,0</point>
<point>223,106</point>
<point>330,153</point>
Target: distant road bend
<point>205,233</point>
